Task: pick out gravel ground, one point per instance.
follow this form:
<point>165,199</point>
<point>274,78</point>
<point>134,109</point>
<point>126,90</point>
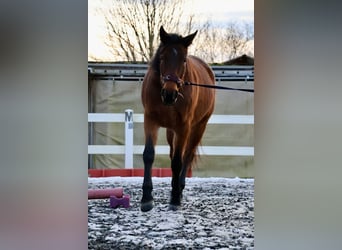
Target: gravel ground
<point>216,213</point>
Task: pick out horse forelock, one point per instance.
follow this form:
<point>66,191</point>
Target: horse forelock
<point>172,39</point>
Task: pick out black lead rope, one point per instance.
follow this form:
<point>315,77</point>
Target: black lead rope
<point>217,87</point>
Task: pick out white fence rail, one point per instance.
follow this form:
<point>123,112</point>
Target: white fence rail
<point>214,119</point>
<point>129,149</point>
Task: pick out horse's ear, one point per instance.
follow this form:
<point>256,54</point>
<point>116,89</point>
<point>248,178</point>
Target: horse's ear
<point>163,35</point>
<point>188,39</point>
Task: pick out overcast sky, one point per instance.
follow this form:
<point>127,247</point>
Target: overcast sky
<point>219,11</point>
<point>223,10</point>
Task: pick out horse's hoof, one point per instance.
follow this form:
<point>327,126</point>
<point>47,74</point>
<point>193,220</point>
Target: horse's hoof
<point>147,206</point>
<point>173,207</point>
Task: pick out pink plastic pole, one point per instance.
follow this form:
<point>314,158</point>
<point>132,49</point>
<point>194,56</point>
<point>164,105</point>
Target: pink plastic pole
<point>105,193</point>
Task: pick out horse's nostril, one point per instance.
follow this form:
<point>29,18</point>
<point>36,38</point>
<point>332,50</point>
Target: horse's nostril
<point>169,97</point>
<point>163,92</point>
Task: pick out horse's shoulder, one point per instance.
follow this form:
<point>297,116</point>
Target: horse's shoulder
<point>202,64</point>
<point>197,60</point>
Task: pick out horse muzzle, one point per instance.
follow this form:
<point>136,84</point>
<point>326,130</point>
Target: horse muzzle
<point>169,97</point>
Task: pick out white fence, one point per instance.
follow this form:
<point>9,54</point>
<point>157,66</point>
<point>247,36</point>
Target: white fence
<point>129,148</point>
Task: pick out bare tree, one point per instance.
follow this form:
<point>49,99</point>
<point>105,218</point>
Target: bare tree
<point>222,43</point>
<point>208,42</point>
<point>249,31</point>
<point>235,40</point>
<point>92,57</point>
<point>133,26</point>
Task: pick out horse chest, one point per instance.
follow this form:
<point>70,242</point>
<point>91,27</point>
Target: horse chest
<point>167,117</point>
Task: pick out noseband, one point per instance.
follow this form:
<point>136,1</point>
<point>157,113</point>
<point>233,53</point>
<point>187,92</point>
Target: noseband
<point>172,78</point>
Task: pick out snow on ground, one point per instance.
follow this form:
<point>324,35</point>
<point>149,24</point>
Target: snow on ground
<point>216,213</point>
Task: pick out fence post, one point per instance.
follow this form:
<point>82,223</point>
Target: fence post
<point>128,138</point>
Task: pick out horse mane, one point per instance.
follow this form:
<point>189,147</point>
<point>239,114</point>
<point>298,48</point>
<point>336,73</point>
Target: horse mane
<point>155,63</point>
<point>172,39</point>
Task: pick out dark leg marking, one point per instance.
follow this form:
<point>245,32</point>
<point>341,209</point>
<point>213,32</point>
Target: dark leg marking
<point>148,157</point>
<point>176,165</point>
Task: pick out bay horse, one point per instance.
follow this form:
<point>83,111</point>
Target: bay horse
<point>183,110</point>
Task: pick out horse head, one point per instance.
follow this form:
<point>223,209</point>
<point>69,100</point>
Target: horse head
<point>172,57</point>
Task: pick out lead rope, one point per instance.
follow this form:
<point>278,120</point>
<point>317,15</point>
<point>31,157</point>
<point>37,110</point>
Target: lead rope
<point>209,86</point>
<point>216,87</point>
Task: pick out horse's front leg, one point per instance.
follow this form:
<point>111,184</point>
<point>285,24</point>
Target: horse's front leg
<point>176,165</point>
<point>148,157</point>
